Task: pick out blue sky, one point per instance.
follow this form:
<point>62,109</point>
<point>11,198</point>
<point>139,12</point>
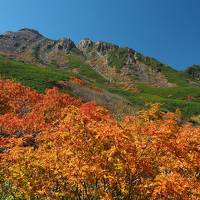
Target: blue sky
<point>168,30</point>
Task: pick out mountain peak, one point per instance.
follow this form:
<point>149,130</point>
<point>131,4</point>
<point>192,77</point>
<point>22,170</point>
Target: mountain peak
<point>85,44</point>
<point>98,46</point>
<point>65,44</point>
<point>117,64</point>
<point>20,40</point>
<point>29,30</point>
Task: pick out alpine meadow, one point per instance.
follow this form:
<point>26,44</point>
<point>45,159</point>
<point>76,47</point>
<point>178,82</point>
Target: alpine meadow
<point>89,119</point>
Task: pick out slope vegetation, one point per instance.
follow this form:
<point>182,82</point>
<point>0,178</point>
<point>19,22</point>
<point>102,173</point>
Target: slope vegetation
<point>106,71</point>
<point>53,146</point>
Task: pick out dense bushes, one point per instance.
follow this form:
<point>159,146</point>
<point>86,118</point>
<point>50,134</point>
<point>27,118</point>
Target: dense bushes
<point>53,146</point>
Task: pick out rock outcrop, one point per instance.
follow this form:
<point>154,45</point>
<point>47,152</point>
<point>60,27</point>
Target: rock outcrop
<point>119,65</point>
<point>30,45</point>
<point>194,71</point>
<point>20,40</point>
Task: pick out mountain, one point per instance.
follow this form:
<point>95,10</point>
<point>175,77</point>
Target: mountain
<point>119,78</point>
<point>116,64</point>
<point>194,72</point>
<point>30,45</point>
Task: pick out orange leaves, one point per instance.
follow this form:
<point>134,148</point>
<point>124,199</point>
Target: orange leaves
<point>4,141</point>
<point>88,108</point>
<point>10,124</point>
<point>52,104</point>
<point>54,146</point>
<point>91,111</point>
<point>15,126</point>
<point>172,185</point>
<point>16,97</point>
<point>168,149</point>
<point>152,113</point>
<point>76,80</point>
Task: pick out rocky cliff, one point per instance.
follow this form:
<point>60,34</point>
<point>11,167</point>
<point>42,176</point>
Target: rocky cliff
<point>194,72</point>
<point>123,66</point>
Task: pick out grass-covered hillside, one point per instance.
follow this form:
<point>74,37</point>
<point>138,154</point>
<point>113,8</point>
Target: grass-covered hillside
<point>183,96</point>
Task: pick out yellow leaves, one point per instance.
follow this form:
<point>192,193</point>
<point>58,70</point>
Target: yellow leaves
<point>60,147</point>
<point>152,113</point>
<point>119,166</point>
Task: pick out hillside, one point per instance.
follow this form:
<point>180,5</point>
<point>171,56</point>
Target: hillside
<point>116,64</point>
<point>54,146</point>
<point>193,71</point>
<point>115,77</point>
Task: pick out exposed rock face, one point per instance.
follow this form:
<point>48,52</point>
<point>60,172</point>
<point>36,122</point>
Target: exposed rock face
<point>30,31</point>
<point>65,45</point>
<point>194,71</point>
<point>103,47</point>
<point>88,47</point>
<point>49,51</point>
<point>20,40</point>
<point>31,46</point>
<point>119,65</point>
<point>85,44</point>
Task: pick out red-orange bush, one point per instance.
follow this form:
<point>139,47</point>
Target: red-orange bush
<point>76,80</point>
<point>55,146</point>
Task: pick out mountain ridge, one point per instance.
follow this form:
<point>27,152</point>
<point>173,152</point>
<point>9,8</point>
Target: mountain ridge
<point>117,64</point>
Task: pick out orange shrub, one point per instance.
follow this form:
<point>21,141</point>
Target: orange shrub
<point>77,81</point>
<point>60,147</point>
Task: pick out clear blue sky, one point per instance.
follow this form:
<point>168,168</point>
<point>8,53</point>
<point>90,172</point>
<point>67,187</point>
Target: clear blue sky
<point>168,30</point>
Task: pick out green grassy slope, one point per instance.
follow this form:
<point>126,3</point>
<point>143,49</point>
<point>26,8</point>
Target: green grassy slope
<point>86,72</point>
<point>38,78</point>
<point>41,78</point>
<point>188,108</point>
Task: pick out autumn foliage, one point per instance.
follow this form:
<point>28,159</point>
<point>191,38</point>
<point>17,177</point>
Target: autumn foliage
<point>76,80</point>
<point>53,146</point>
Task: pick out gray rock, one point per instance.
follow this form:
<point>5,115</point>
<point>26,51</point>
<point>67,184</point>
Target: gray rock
<point>104,47</point>
<point>115,63</point>
<point>64,44</point>
<point>99,47</point>
<point>85,45</point>
<point>20,40</point>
